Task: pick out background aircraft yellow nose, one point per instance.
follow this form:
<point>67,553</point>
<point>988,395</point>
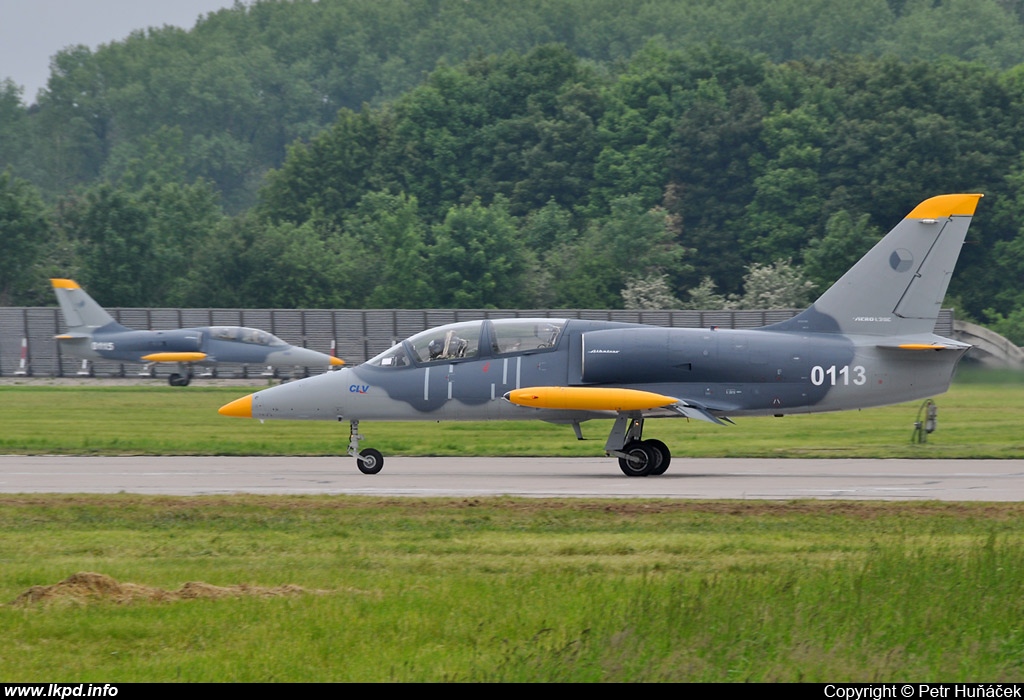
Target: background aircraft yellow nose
<point>337,362</point>
<point>239,408</point>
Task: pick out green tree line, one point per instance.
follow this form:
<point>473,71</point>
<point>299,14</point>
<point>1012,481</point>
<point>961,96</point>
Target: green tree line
<point>548,153</point>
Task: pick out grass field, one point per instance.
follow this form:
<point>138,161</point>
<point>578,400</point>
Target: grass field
<point>498,589</point>
<point>357,589</point>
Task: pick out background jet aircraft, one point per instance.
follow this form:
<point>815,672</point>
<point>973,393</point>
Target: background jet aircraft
<point>867,341</point>
<point>93,334</point>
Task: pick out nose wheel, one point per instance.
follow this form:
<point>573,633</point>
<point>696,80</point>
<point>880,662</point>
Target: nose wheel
<point>369,461</point>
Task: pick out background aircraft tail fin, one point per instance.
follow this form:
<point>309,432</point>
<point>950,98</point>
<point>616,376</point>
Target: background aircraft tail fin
<point>897,288</point>
<point>81,312</point>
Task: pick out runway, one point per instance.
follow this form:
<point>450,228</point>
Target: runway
<point>772,479</point>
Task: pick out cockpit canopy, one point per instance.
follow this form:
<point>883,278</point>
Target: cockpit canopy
<point>470,339</point>
<point>241,334</point>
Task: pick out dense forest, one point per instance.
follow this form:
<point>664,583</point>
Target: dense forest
<point>544,153</point>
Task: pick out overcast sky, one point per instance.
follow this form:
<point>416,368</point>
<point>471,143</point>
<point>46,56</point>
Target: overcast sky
<point>32,31</point>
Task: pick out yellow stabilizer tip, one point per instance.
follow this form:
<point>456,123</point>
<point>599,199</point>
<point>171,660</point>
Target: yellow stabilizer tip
<point>337,362</point>
<point>174,357</point>
<point>946,205</point>
<point>63,284</point>
<point>239,408</point>
<point>588,398</point>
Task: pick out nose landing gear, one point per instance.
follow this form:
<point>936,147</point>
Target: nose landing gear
<point>369,461</point>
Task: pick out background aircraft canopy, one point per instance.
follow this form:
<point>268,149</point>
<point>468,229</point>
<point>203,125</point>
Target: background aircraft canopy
<point>242,334</point>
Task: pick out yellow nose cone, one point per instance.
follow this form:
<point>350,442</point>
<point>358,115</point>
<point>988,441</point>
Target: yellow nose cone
<point>239,408</point>
<point>337,362</point>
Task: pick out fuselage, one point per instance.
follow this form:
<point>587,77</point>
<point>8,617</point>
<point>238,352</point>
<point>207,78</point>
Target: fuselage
<point>202,345</point>
<point>462,371</point>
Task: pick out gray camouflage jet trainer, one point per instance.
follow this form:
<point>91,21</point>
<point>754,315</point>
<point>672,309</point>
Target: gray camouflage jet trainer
<point>867,341</point>
<point>93,334</point>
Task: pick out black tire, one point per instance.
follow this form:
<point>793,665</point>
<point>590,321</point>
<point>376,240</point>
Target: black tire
<point>664,456</point>
<point>178,380</point>
<point>644,459</point>
<point>370,461</point>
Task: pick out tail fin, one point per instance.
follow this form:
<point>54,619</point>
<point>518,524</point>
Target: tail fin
<point>81,312</point>
<point>897,288</point>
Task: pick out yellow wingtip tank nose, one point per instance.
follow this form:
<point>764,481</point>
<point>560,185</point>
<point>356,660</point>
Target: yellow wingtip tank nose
<point>239,408</point>
<point>337,362</point>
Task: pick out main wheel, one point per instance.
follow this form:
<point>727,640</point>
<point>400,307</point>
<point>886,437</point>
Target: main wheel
<point>178,380</point>
<point>640,459</point>
<point>664,456</point>
<point>370,461</point>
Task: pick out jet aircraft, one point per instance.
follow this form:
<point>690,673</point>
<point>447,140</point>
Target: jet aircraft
<point>867,341</point>
<point>93,334</point>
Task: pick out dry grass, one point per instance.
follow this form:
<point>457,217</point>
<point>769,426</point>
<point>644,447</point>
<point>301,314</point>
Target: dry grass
<point>86,587</point>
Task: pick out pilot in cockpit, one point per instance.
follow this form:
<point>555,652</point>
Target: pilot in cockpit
<point>451,347</point>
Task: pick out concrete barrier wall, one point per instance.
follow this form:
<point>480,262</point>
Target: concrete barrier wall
<point>355,335</point>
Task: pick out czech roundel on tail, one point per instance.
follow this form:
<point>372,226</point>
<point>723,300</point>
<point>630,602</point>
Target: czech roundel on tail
<point>93,334</point>
<point>867,341</point>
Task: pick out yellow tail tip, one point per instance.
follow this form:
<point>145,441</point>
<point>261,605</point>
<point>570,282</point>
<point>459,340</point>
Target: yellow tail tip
<point>946,205</point>
<point>239,408</point>
<point>59,283</point>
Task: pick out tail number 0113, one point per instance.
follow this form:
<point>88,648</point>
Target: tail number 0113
<point>835,376</point>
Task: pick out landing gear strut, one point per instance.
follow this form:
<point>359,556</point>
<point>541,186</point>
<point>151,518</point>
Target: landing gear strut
<point>637,457</point>
<point>369,461</point>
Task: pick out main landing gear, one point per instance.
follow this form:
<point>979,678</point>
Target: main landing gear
<point>180,378</point>
<point>369,461</point>
<point>637,457</point>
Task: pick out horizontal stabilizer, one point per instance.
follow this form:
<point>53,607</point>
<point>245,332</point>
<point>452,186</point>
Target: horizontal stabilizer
<point>175,357</point>
<point>584,398</point>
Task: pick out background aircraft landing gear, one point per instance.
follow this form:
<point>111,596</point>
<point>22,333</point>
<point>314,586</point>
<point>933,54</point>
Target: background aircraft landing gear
<point>182,377</point>
<point>179,380</point>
